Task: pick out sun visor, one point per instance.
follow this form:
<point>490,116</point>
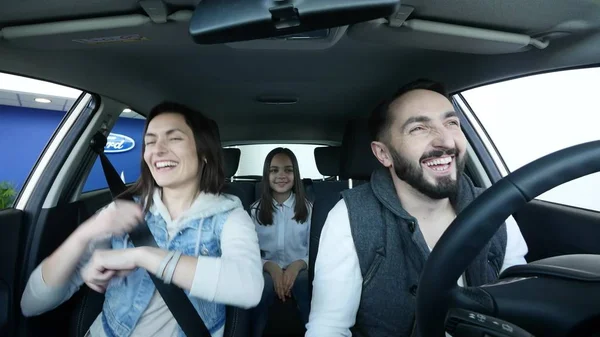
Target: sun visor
<point>424,34</point>
<point>115,31</point>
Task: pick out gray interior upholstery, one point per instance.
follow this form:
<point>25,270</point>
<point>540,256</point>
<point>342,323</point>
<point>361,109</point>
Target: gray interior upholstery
<point>232,161</point>
<point>241,189</point>
<point>357,160</point>
<point>328,160</point>
<point>524,14</point>
<point>331,85</point>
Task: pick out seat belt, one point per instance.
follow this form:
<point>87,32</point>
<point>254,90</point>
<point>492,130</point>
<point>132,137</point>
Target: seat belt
<point>177,301</point>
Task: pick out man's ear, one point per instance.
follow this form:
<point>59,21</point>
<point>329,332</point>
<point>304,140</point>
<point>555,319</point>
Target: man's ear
<point>382,153</point>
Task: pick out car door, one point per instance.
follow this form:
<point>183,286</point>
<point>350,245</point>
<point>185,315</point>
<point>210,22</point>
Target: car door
<point>40,123</point>
<point>11,221</point>
<point>70,189</point>
<point>514,122</point>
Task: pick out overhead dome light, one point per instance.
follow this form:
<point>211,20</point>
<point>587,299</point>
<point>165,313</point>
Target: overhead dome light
<point>43,100</point>
<point>126,110</point>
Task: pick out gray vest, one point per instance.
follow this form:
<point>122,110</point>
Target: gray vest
<point>392,253</point>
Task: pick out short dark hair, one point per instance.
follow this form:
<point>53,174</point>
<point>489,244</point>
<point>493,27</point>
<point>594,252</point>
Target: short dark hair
<point>380,121</point>
<point>211,177</point>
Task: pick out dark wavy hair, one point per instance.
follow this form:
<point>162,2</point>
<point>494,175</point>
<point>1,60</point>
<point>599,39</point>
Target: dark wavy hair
<point>211,173</point>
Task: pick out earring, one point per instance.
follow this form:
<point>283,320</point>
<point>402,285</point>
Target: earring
<point>205,161</point>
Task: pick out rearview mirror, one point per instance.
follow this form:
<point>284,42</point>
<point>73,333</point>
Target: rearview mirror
<point>223,21</point>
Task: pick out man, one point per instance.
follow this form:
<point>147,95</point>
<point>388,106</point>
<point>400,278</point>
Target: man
<point>376,240</point>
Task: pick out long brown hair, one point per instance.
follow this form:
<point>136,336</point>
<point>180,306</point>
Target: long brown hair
<point>265,207</point>
<point>211,174</point>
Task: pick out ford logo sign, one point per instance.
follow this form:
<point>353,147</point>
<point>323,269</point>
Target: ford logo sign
<point>116,143</point>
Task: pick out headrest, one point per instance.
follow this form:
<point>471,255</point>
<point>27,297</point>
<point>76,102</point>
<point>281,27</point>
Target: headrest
<point>357,161</point>
<point>328,160</point>
<point>232,161</point>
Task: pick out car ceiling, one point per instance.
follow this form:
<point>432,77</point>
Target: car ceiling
<point>331,84</point>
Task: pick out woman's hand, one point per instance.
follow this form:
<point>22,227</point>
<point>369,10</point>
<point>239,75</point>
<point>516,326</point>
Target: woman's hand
<point>277,275</point>
<point>118,218</point>
<point>105,264</point>
<point>290,274</point>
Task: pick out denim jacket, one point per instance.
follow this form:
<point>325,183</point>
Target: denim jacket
<point>198,233</point>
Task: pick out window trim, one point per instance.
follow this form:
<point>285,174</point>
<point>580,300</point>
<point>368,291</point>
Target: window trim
<point>491,150</point>
<point>54,144</point>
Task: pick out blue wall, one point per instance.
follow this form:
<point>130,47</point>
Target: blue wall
<point>24,132</point>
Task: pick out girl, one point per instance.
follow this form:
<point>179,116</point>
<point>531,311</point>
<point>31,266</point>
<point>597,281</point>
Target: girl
<point>282,218</point>
<point>208,244</point>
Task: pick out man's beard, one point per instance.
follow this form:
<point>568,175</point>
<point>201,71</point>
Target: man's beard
<point>412,174</point>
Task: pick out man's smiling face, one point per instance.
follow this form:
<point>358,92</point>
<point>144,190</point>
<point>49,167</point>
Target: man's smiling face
<point>426,143</point>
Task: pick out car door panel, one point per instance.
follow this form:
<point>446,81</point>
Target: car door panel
<point>93,201</point>
<point>4,307</point>
<point>59,223</point>
<point>11,221</point>
<point>552,229</point>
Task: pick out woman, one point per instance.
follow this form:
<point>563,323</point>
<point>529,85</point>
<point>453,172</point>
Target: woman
<point>282,218</point>
<point>208,244</point>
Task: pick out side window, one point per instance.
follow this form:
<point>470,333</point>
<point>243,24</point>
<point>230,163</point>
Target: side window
<point>123,149</point>
<point>253,157</point>
<point>533,116</point>
<point>30,112</point>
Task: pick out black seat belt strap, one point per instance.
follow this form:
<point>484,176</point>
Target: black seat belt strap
<point>175,298</point>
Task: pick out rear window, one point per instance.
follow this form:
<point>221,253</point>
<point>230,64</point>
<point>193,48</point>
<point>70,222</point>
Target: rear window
<point>253,157</point>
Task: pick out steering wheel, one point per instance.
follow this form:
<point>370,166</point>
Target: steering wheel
<point>468,234</point>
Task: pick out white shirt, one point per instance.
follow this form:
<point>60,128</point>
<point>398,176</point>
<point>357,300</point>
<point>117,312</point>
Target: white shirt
<point>337,285</point>
<point>286,240</point>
